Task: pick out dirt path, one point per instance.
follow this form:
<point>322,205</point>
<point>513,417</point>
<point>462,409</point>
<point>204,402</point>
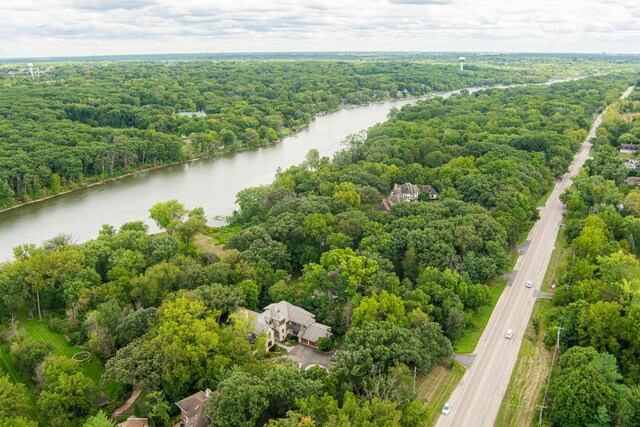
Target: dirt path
<point>126,405</point>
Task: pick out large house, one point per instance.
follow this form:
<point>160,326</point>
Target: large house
<point>406,192</point>
<point>628,148</point>
<point>279,320</point>
<point>192,409</point>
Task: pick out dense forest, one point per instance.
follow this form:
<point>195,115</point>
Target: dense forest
<point>397,288</point>
<point>596,310</point>
<point>85,122</point>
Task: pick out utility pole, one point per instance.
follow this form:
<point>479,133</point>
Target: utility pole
<point>555,351</point>
<point>414,380</point>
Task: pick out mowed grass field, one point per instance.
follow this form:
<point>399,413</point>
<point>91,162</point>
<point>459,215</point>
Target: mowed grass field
<point>39,330</point>
<point>435,387</point>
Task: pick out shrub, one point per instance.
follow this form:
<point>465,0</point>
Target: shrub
<point>326,343</point>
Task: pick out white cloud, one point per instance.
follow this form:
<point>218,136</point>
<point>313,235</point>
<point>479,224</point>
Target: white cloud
<point>88,27</point>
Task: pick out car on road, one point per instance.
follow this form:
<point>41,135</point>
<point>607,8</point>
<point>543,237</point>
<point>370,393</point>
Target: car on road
<point>529,283</point>
<point>509,334</point>
<point>447,408</point>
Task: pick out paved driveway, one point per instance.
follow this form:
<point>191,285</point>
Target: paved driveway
<point>307,356</point>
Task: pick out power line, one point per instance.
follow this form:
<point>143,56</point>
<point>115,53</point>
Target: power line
<point>557,347</point>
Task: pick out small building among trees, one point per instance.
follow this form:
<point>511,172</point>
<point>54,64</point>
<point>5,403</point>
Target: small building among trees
<point>629,148</point>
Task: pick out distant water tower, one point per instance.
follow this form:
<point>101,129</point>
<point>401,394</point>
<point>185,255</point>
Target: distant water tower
<point>461,63</point>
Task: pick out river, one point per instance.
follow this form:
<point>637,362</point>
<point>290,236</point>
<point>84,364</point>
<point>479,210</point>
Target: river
<point>211,183</point>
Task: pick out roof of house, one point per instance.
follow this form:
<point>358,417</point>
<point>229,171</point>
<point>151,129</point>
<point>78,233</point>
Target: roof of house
<point>406,188</point>
<point>193,407</point>
<point>400,189</point>
<point>288,312</point>
<point>192,113</point>
<point>134,422</point>
<point>629,146</point>
<point>314,332</point>
<point>633,180</point>
<point>427,188</point>
<point>257,321</point>
<point>389,202</point>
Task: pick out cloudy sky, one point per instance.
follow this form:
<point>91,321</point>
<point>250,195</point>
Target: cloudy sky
<point>99,27</point>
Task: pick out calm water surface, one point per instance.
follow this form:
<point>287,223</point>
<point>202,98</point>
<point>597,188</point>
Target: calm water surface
<point>211,184</point>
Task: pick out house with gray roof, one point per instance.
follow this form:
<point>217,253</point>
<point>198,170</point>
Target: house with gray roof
<point>282,319</point>
<point>192,409</point>
<point>406,192</point>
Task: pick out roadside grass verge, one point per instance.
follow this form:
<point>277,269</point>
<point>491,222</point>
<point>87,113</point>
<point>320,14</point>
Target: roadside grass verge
<point>435,387</point>
<point>523,237</point>
<point>513,258</point>
<point>543,199</point>
<point>559,257</point>
<point>520,403</point>
<point>477,323</point>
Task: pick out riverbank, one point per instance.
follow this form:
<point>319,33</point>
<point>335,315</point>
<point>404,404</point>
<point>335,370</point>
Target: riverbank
<point>293,134</point>
<point>210,183</point>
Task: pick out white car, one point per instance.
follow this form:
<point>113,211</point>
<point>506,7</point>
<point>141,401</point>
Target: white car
<point>529,283</point>
<point>509,334</point>
<point>447,408</point>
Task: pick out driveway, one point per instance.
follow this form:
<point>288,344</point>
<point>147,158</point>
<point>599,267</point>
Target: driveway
<point>307,356</point>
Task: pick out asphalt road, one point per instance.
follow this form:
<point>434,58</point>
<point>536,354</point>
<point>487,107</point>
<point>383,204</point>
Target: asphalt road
<point>476,401</point>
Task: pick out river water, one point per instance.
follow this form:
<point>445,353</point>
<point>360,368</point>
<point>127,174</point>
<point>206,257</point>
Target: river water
<point>210,183</point>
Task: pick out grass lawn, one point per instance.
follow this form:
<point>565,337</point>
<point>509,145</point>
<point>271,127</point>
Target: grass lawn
<point>467,343</point>
<point>41,332</point>
<point>7,367</point>
<point>208,244</point>
<point>435,387</point>
<point>223,234</point>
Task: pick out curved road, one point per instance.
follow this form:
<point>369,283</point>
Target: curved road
<point>476,401</point>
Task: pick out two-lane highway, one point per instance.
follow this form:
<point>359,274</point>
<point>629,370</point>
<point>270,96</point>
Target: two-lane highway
<point>477,398</point>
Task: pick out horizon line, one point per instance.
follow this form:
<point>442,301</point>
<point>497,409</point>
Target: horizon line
<point>336,52</point>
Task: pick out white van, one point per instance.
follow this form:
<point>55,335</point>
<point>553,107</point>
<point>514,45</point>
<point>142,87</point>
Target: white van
<point>509,334</point>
